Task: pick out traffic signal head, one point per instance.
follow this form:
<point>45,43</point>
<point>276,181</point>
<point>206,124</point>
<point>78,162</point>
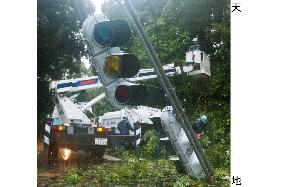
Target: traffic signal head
<point>104,38</point>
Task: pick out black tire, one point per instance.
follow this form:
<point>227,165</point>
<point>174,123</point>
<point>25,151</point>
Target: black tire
<point>53,152</point>
<point>98,152</point>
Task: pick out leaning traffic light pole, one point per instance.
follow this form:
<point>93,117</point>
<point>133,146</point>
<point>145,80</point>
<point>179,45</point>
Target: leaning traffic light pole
<point>169,90</point>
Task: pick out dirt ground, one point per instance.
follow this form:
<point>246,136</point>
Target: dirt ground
<point>39,146</point>
<point>46,176</point>
<point>51,175</point>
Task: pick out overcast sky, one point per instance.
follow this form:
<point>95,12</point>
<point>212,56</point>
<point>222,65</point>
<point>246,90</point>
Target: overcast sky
<point>98,5</point>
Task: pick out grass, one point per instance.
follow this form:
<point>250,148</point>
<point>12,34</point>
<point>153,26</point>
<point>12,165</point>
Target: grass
<point>143,168</point>
<point>136,172</point>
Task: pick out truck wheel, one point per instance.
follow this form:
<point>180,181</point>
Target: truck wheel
<point>98,152</point>
<point>53,153</point>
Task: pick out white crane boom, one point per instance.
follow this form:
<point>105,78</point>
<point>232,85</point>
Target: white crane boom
<point>93,82</point>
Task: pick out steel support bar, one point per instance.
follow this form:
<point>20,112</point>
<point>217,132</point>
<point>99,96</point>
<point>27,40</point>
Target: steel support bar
<point>93,101</point>
<point>168,88</point>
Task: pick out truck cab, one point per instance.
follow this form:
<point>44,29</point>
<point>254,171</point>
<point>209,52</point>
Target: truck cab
<point>69,127</point>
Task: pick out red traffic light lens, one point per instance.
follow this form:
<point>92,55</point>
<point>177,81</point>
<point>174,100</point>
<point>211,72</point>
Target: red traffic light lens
<point>122,93</point>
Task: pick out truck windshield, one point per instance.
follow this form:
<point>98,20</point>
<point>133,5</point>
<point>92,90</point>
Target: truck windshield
<point>56,121</point>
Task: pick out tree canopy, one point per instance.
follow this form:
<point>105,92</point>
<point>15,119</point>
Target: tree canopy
<point>59,49</point>
<point>171,25</point>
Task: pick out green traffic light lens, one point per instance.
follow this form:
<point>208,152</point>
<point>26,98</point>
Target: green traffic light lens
<point>103,33</point>
<point>113,65</point>
<point>112,33</point>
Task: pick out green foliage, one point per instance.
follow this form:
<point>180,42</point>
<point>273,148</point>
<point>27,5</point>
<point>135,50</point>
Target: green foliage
<point>72,178</point>
<point>133,171</point>
<point>59,48</point>
<point>137,171</point>
<point>150,140</point>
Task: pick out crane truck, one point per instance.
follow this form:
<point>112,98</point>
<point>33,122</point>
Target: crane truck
<point>70,125</point>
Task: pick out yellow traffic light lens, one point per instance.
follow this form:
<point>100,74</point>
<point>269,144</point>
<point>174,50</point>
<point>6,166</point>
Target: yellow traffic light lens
<point>113,65</point>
